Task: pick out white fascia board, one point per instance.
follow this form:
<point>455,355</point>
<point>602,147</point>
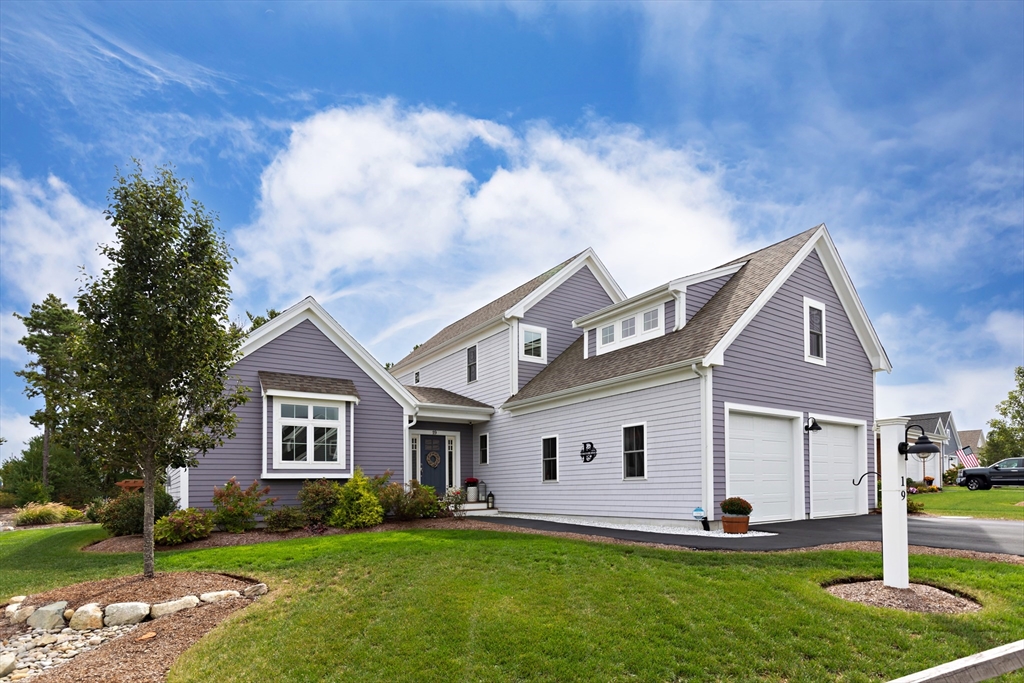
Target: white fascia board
<point>645,379</point>
<point>309,309</point>
<point>468,338</point>
<point>663,292</point>
<point>681,283</point>
<point>311,396</point>
<point>587,258</point>
<point>442,411</point>
<point>822,242</point>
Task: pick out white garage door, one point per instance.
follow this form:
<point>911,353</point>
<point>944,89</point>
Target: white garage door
<point>833,469</point>
<point>761,464</point>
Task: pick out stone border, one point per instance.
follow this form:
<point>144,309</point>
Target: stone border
<point>58,634</point>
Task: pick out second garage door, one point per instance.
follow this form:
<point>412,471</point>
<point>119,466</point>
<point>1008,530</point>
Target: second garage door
<point>761,467</point>
<point>833,469</point>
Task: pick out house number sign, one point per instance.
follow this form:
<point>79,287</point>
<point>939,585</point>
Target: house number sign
<point>589,452</point>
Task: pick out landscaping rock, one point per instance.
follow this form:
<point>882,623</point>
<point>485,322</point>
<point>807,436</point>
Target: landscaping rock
<point>68,613</point>
<point>122,613</point>
<point>7,664</point>
<point>22,614</point>
<point>11,609</point>
<point>17,598</point>
<point>50,616</point>
<point>87,617</point>
<point>254,590</point>
<point>217,596</point>
<point>164,608</point>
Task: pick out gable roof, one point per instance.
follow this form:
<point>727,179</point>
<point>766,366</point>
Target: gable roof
<point>443,397</point>
<point>705,337</point>
<point>307,384</point>
<point>513,303</point>
<point>933,423</point>
<point>973,438</point>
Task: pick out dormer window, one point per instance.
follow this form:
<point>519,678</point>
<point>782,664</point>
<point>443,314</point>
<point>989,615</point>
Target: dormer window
<point>651,320</point>
<point>814,331</point>
<point>628,327</point>
<point>533,344</point>
<point>608,334</point>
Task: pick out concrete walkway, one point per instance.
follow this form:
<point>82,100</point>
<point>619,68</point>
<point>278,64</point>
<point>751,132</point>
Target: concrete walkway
<point>983,535</point>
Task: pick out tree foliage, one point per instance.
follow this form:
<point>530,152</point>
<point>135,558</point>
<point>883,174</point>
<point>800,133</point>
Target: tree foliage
<point>1006,438</point>
<point>158,339</point>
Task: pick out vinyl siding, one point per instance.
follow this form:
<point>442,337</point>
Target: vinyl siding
<point>670,315</point>
<point>699,294</point>
<point>579,295</point>
<point>765,366</point>
<point>492,371</point>
<point>301,350</point>
<point>673,443</point>
<point>173,483</point>
<point>592,343</point>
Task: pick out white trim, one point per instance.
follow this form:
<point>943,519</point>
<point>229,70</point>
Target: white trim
<point>352,436</point>
<point>707,438</point>
<point>622,450</point>
<point>456,457</point>
<point>513,357</point>
<point>183,488</point>
<point>406,452</point>
<point>486,435</point>
<point>476,362</point>
<point>587,258</point>
<point>303,396</point>
<point>264,466</point>
<point>639,335</point>
<point>558,468</point>
<point>543,332</point>
<point>444,412</point>
<point>852,305</point>
<point>714,274</point>
<point>341,424</point>
<point>810,303</point>
<point>309,309</point>
<point>797,419</point>
<point>680,310</point>
<point>861,458</point>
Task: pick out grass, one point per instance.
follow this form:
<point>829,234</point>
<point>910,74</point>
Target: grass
<point>958,501</point>
<point>427,605</point>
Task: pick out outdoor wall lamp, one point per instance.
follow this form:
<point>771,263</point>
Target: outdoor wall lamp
<point>812,425</point>
<point>923,445</point>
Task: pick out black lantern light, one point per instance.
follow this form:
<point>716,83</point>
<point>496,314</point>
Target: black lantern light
<point>490,500</point>
<point>812,425</point>
<point>923,445</point>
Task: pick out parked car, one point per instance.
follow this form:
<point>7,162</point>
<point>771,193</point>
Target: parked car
<point>1008,472</point>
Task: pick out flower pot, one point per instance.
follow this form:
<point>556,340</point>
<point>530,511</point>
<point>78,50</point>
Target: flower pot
<point>735,524</point>
<point>471,496</point>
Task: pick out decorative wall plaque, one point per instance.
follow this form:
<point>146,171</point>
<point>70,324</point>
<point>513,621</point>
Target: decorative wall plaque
<point>589,452</point>
<point>433,459</point>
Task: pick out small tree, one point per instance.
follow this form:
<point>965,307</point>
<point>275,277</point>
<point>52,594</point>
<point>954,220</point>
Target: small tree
<point>53,331</point>
<point>159,341</point>
<point>1006,439</point>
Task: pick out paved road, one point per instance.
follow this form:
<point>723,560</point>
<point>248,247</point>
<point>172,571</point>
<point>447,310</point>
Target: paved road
<point>984,535</point>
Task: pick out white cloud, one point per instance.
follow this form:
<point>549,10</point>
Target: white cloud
<point>17,430</point>
<point>46,235</point>
<point>971,393</point>
<point>11,330</point>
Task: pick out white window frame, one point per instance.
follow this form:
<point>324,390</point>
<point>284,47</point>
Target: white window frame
<point>808,304</point>
<point>543,332</point>
<point>660,311</point>
<point>309,423</point>
<point>475,364</point>
<point>639,335</point>
<point>600,334</point>
<point>622,327</point>
<point>558,470</point>
<point>622,446</point>
<point>481,459</point>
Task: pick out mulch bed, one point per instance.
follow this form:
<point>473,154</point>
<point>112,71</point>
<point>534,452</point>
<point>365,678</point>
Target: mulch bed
<point>918,598</point>
<point>162,587</point>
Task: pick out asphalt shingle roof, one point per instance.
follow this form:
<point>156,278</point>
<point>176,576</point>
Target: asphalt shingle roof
<point>482,315</point>
<point>309,384</point>
<point>443,397</point>
<point>930,421</point>
<point>695,340</point>
<point>972,438</point>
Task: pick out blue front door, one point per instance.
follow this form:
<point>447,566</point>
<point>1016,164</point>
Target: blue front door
<point>432,462</point>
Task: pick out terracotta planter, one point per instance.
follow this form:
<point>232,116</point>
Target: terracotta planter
<point>735,524</point>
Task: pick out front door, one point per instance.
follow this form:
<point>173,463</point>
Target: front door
<point>433,460</point>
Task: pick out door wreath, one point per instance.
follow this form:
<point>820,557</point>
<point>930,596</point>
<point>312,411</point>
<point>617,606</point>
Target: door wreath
<point>433,459</point>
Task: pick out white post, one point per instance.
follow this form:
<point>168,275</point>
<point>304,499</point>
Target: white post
<point>895,565</point>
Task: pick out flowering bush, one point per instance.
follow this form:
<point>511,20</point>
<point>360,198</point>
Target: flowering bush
<point>736,506</point>
<point>284,519</point>
<point>912,489</point>
<point>182,526</point>
<point>472,481</point>
<point>237,507</point>
<point>454,502</point>
<point>318,499</point>
<point>358,506</point>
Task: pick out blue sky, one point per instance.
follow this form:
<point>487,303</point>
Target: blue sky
<point>405,163</point>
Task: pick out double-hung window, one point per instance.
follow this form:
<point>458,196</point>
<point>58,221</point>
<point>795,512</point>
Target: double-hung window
<point>483,449</point>
<point>814,331</point>
<point>549,458</point>
<point>309,434</point>
<point>471,364</point>
<point>633,452</point>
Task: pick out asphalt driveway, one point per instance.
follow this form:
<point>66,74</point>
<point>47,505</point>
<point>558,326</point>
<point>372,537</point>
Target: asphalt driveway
<point>983,535</point>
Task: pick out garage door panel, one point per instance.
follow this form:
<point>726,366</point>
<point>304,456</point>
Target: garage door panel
<point>761,464</point>
<point>834,453</point>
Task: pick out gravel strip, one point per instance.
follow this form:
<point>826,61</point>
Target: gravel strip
<point>38,650</point>
<point>650,528</point>
<point>918,598</point>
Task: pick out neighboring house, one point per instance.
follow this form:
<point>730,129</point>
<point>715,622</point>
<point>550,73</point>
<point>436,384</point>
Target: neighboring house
<point>975,438</point>
<point>678,397</point>
<point>941,430</point>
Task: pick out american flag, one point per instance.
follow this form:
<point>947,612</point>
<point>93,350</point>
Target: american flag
<point>967,457</point>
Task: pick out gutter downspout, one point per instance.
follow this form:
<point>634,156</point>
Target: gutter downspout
<point>706,441</point>
<point>405,449</point>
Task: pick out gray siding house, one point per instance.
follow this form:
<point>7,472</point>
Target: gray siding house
<point>567,397</point>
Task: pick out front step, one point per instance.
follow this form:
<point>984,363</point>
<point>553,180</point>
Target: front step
<point>478,509</point>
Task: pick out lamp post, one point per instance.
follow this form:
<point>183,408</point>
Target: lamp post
<point>895,564</point>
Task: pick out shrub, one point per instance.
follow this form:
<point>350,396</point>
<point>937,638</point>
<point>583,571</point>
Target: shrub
<point>911,482</point>
<point>318,499</point>
<point>237,507</point>
<point>284,519</point>
<point>72,515</point>
<point>358,506</point>
<point>7,499</point>
<point>914,506</point>
<point>182,526</point>
<point>454,503</point>
<point>949,476</point>
<point>92,512</point>
<point>122,516</point>
<point>736,506</point>
<point>35,513</point>
<point>418,501</point>
<point>31,491</point>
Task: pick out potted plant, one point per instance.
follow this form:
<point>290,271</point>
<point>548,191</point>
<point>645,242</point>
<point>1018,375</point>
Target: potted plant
<point>735,515</point>
<point>471,489</point>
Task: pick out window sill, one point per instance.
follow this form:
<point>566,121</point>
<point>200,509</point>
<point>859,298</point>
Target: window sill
<point>816,361</point>
<point>533,359</point>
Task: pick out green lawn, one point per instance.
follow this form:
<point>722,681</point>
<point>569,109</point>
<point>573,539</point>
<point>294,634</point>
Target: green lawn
<point>957,500</point>
<point>447,605</point>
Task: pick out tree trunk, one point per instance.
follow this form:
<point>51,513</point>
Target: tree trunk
<point>46,455</point>
<point>149,496</point>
